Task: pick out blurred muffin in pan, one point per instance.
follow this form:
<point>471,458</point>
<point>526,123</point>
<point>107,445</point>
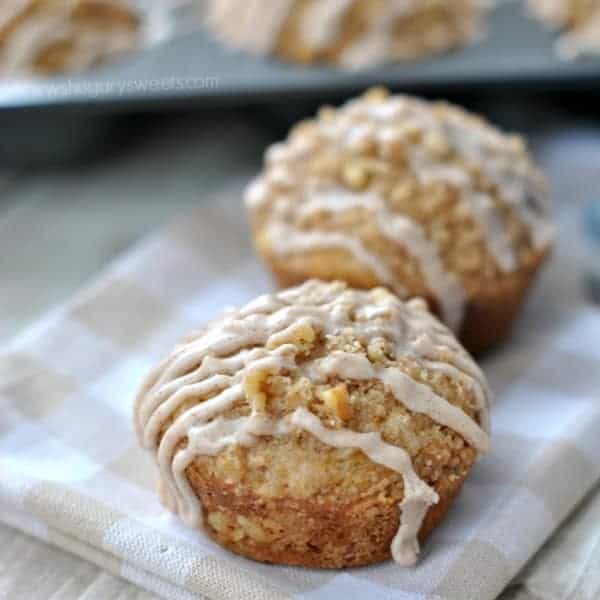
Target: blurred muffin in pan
<point>578,19</point>
<point>44,37</point>
<point>351,33</point>
<point>319,426</point>
<point>421,197</point>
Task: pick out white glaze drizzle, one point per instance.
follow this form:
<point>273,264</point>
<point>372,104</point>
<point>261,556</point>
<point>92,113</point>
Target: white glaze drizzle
<point>377,43</point>
<point>518,184</point>
<point>214,365</point>
<point>418,496</point>
<point>482,145</point>
<point>254,25</point>
<point>416,396</point>
<point>286,240</point>
<point>404,231</point>
<point>321,22</point>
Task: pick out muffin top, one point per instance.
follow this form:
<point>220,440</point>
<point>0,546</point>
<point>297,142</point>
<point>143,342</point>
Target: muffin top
<point>50,36</point>
<point>321,393</point>
<point>352,33</point>
<point>414,191</point>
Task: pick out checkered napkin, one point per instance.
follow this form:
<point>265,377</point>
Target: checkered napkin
<point>71,472</point>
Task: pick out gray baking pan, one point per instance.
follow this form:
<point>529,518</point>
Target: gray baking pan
<point>196,70</point>
<point>63,120</point>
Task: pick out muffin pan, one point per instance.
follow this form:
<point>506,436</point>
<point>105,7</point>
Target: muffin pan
<point>195,70</point>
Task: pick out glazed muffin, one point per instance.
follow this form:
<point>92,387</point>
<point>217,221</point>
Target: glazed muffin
<point>421,197</point>
<point>351,33</point>
<point>44,37</point>
<point>579,18</point>
<point>319,426</point>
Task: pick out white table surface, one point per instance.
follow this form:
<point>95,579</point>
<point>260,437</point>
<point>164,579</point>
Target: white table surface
<point>59,227</point>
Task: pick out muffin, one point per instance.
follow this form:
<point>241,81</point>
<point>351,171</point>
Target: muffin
<point>319,426</point>
<point>421,197</point>
<point>579,18</point>
<point>351,33</point>
<point>44,37</point>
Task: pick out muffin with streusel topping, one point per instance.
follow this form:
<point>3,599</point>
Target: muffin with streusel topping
<point>319,426</point>
<point>44,37</point>
<point>421,197</point>
<point>349,33</point>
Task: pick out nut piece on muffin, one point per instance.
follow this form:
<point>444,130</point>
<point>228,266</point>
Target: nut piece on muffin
<point>44,37</point>
<point>350,33</point>
<point>421,197</point>
<point>580,19</point>
<point>319,426</point>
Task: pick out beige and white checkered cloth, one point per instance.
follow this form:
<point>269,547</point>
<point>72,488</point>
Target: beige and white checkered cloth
<point>71,472</point>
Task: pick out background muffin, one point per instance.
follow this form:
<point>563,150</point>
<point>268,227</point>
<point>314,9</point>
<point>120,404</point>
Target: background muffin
<point>319,426</point>
<point>421,197</point>
<point>579,18</point>
<point>353,33</point>
<point>54,36</point>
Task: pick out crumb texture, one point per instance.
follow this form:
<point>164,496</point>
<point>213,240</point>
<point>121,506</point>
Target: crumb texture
<point>320,425</point>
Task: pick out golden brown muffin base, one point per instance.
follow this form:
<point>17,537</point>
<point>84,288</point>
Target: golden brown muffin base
<point>490,310</point>
<point>303,533</point>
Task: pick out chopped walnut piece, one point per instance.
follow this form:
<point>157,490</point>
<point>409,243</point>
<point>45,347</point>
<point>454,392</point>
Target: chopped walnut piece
<point>337,400</point>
